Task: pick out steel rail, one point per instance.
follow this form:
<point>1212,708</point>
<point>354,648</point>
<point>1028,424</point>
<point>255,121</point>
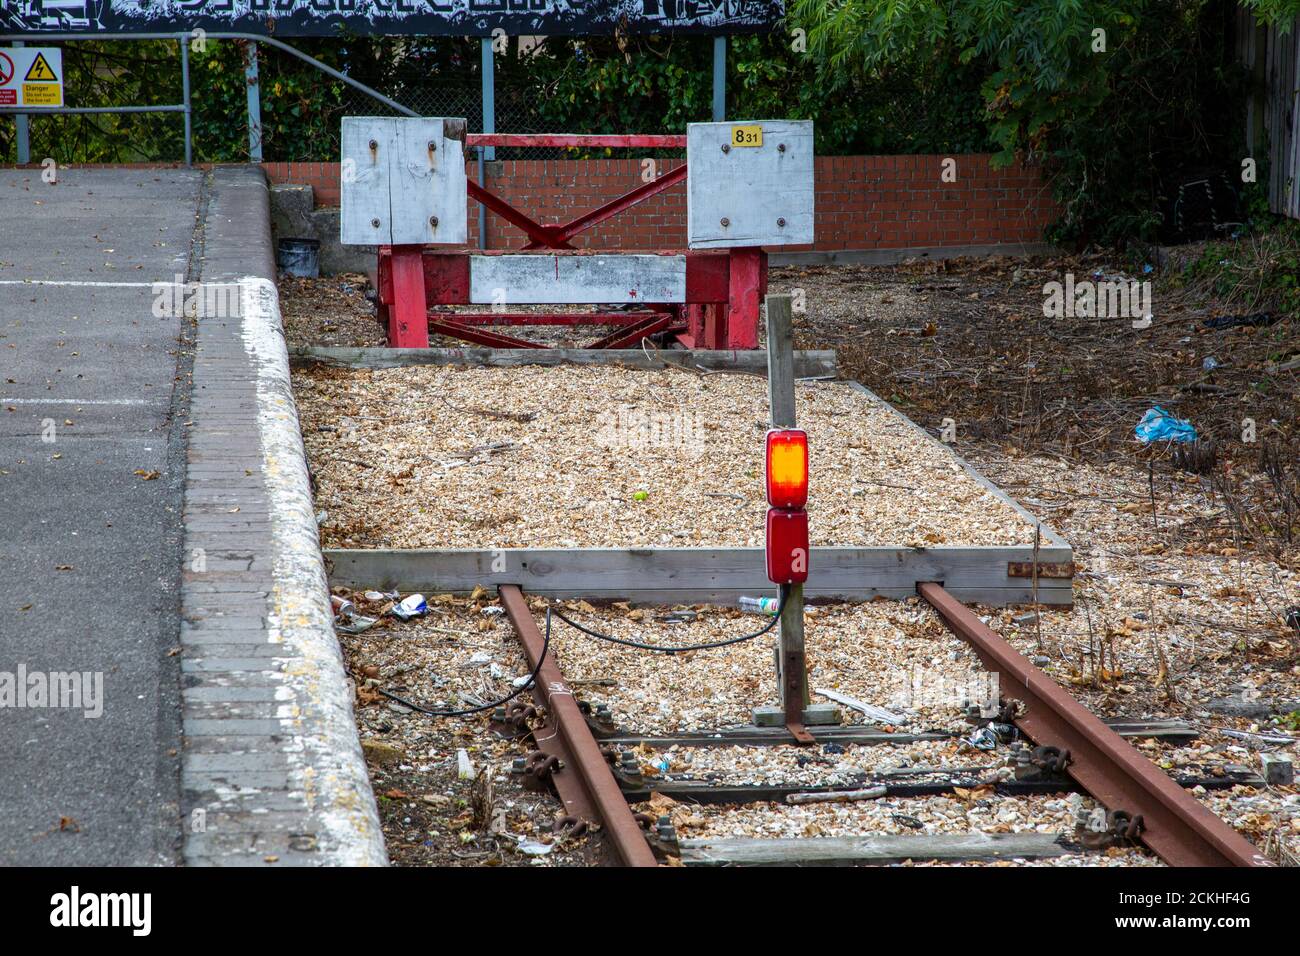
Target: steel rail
<point>588,762</point>
<point>1176,828</point>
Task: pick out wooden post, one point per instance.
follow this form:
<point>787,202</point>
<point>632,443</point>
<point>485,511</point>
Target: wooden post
<point>780,360</point>
<point>792,672</point>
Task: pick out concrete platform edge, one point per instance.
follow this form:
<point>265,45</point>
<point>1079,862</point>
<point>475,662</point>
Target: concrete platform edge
<point>315,753</point>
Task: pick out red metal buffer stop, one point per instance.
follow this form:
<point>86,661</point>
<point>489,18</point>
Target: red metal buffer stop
<point>750,185</point>
<point>787,494</point>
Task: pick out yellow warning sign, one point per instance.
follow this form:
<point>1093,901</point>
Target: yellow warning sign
<point>40,72</point>
<point>42,94</point>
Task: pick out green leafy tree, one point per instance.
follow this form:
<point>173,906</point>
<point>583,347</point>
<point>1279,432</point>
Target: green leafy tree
<point>1118,99</point>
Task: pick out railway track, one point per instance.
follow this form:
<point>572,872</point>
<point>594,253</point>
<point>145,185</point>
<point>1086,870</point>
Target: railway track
<point>1063,749</point>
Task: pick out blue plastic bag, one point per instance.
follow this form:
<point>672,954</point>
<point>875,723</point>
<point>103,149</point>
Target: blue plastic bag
<point>1158,425</point>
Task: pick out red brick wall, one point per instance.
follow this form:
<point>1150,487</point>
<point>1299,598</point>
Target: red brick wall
<point>862,202</point>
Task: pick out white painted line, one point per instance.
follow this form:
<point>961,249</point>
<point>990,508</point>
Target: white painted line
<point>79,401</point>
<point>93,285</point>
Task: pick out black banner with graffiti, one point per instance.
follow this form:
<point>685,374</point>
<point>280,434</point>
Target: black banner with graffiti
<point>370,17</point>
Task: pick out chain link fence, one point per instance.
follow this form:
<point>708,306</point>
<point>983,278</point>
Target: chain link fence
<point>462,96</point>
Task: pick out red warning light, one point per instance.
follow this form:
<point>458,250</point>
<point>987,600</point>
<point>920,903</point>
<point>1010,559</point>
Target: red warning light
<point>787,546</point>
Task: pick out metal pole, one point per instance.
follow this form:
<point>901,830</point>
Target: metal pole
<point>780,391</point>
<point>489,94</point>
<point>719,79</point>
<point>486,154</point>
<point>482,209</point>
<point>253,83</point>
<point>21,128</point>
<point>185,97</point>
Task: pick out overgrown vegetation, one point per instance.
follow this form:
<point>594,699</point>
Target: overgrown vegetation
<point>657,84</point>
<point>1122,101</point>
<point>1260,272</point>
<point>645,84</point>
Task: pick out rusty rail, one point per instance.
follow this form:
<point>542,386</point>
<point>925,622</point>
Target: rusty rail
<point>1176,827</point>
<point>587,763</point>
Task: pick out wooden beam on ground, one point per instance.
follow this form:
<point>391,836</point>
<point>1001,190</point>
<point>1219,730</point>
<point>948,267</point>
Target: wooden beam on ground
<point>903,784</point>
<point>874,850</point>
<point>807,364</point>
<point>704,792</point>
<point>1166,731</point>
<point>750,736</point>
<point>703,575</point>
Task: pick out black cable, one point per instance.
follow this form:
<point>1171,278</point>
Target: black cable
<point>546,643</point>
<point>675,650</point>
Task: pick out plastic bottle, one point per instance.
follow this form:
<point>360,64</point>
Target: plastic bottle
<point>758,605</point>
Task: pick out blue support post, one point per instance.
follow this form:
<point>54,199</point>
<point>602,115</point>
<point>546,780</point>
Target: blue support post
<point>487,153</point>
<point>21,128</point>
<point>489,94</point>
<point>253,82</point>
<point>719,79</point>
<point>185,91</point>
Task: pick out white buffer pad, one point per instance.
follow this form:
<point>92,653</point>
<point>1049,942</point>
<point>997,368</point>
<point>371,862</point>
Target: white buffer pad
<point>749,184</point>
<point>577,280</point>
<point>403,181</point>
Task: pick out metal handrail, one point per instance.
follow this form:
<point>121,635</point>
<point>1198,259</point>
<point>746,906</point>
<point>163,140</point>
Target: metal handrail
<point>183,38</point>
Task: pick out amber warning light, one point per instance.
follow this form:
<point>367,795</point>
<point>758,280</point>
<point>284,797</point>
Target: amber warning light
<point>787,493</point>
<point>787,468</point>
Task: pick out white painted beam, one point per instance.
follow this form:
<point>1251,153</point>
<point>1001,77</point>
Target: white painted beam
<point>587,280</point>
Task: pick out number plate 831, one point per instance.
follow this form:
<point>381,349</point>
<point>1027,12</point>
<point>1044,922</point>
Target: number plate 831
<point>746,136</point>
